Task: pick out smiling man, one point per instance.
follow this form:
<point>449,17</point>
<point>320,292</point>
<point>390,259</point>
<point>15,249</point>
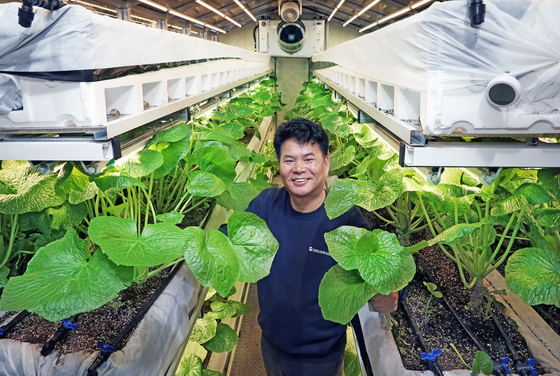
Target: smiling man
<point>296,340</point>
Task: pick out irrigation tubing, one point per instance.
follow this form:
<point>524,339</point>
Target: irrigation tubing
<point>431,361</point>
<point>107,349</point>
<point>64,328</point>
<point>4,330</point>
<point>499,368</point>
<point>544,313</point>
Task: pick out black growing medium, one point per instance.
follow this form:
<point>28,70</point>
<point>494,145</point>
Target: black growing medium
<point>500,367</point>
<point>108,348</point>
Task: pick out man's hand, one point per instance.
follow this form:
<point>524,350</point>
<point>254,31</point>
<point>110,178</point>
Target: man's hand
<point>385,303</point>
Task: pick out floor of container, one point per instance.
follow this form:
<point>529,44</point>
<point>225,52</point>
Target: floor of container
<point>247,358</point>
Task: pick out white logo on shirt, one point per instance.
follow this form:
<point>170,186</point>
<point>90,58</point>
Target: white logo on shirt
<point>311,249</point>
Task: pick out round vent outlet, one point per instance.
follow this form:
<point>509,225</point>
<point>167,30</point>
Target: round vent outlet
<point>503,91</point>
<point>291,36</point>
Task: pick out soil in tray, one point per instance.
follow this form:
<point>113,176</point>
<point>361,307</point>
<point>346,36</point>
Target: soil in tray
<point>103,323</point>
<point>440,328</point>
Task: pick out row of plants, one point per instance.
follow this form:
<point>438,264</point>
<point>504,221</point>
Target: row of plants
<point>475,225</point>
<point>71,242</point>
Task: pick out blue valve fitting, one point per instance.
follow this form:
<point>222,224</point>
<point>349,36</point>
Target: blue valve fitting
<point>532,363</point>
<point>430,356</point>
<point>69,325</point>
<point>105,348</point>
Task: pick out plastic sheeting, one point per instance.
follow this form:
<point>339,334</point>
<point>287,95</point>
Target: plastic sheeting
<point>437,51</point>
<point>10,94</point>
<point>149,352</point>
<point>73,38</point>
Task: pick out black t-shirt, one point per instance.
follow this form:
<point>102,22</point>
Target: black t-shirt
<point>290,316</point>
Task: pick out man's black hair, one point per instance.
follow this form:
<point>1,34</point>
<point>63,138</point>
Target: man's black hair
<point>304,131</point>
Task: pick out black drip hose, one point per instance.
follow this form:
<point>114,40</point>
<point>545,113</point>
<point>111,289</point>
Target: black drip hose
<point>61,332</point>
<point>6,328</point>
<point>433,364</point>
<point>544,313</point>
<point>104,355</point>
<point>471,334</point>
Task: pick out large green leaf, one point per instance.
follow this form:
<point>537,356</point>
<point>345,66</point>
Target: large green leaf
<point>172,154</point>
<point>548,217</point>
<point>527,194</point>
<point>204,329</point>
<point>112,178</point>
<point>456,232</point>
<point>216,160</point>
<point>342,157</point>
<point>345,193</point>
<point>332,122</point>
<point>342,294</point>
<point>322,100</point>
<point>534,274</point>
<point>78,197</point>
<point>222,115</point>
<point>379,258</point>
<point>4,271</point>
<point>209,372</point>
<point>235,129</point>
<point>204,184</point>
<point>60,281</point>
<point>342,242</point>
<point>25,190</point>
<point>67,215</point>
<point>196,349</point>
<point>220,311</point>
<point>240,308</point>
<point>224,340</point>
<point>191,365</point>
<point>213,262</point>
<point>262,96</point>
<point>174,134</point>
<point>70,179</point>
<point>238,196</point>
<point>159,243</point>
<point>254,243</point>
<point>140,164</point>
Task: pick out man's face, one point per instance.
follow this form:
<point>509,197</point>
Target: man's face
<point>303,169</point>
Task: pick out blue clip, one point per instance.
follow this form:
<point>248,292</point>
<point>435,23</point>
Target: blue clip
<point>105,348</point>
<point>69,325</point>
<point>532,362</point>
<point>505,361</point>
<point>430,356</point>
<point>1,332</point>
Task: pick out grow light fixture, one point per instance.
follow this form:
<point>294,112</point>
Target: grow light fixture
<point>247,10</point>
<point>335,9</point>
<point>362,12</point>
<point>396,14</point>
<point>153,4</point>
<point>206,5</point>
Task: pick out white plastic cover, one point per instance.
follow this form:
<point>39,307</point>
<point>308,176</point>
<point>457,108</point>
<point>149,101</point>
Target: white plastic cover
<point>73,38</point>
<point>149,351</point>
<point>438,52</point>
<point>10,94</point>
